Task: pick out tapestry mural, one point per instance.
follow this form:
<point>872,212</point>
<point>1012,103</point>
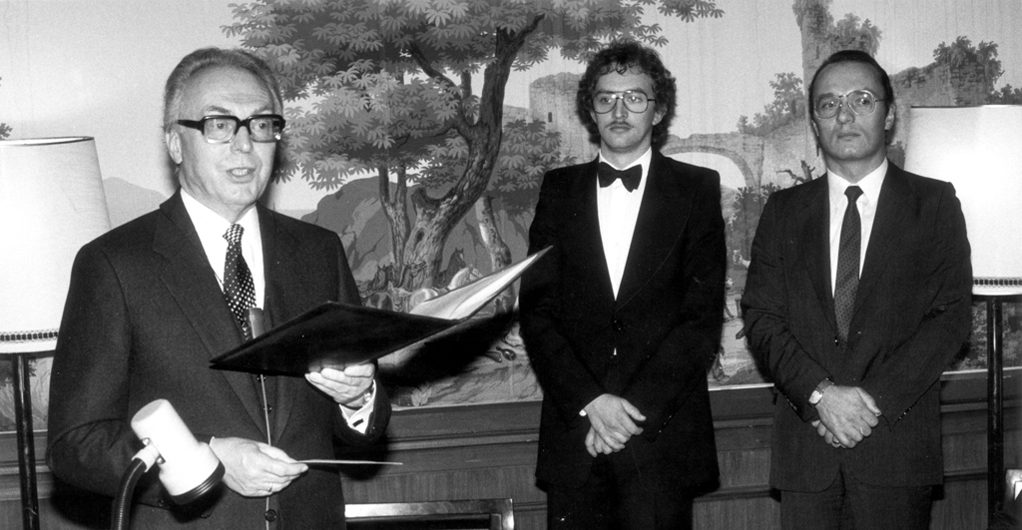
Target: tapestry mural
<point>420,131</point>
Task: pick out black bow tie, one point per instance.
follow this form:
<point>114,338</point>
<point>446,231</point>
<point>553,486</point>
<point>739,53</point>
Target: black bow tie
<point>629,177</point>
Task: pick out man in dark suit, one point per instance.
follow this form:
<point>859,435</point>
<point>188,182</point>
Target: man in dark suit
<point>151,302</point>
<point>857,356</point>
<point>622,319</point>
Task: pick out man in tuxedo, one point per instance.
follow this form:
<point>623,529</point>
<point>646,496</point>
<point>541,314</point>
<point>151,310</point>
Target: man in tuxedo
<point>151,302</point>
<point>858,297</point>
<point>622,318</point>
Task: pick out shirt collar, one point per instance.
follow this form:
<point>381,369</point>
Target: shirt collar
<point>870,184</point>
<point>643,161</point>
<point>211,226</point>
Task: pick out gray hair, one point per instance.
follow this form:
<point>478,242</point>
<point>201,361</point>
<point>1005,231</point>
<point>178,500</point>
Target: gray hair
<point>204,58</point>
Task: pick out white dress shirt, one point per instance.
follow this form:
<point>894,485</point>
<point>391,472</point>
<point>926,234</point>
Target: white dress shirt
<point>867,206</point>
<point>618,210</point>
<point>211,228</point>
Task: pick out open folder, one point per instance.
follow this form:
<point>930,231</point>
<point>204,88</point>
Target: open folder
<point>335,335</point>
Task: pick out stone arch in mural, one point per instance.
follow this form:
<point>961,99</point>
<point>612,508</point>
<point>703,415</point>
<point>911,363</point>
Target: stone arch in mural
<point>745,150</point>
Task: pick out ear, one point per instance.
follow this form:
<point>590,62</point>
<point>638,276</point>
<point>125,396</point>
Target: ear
<point>657,116</point>
<point>173,141</point>
<point>816,135</point>
<point>892,112</point>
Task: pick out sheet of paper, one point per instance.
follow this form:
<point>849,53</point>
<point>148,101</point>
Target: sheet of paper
<point>464,301</point>
<point>322,462</point>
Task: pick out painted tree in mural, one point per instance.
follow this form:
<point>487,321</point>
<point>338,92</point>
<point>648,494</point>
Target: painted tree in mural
<point>1007,95</point>
<point>390,87</point>
<point>527,151</point>
<point>789,105</point>
<point>748,206</point>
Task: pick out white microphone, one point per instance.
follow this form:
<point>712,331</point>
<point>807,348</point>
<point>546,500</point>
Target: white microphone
<point>188,468</point>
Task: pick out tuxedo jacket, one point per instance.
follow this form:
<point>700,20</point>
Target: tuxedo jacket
<point>143,317</point>
<point>665,323</point>
<point>912,314</point>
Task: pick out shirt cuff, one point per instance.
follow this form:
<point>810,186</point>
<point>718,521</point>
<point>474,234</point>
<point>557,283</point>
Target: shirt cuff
<point>358,419</point>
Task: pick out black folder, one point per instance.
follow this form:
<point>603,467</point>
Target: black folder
<point>335,335</point>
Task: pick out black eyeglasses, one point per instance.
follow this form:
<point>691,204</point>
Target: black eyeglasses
<point>220,129</point>
<point>634,101</point>
<point>859,102</point>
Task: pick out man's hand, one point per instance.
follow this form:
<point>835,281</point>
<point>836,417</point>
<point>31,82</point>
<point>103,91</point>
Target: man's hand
<point>595,445</point>
<point>345,387</point>
<point>613,421</point>
<point>825,433</point>
<point>848,413</point>
<point>255,469</point>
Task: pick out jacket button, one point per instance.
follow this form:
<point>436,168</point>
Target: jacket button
<point>270,515</point>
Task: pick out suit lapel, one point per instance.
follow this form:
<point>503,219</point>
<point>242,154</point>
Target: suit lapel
<point>193,284</point>
<point>888,227</point>
<point>662,217</point>
<point>280,263</point>
<point>812,227</point>
<point>586,241</point>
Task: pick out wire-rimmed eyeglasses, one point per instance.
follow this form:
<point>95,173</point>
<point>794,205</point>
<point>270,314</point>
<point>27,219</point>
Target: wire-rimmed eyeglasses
<point>604,102</point>
<point>221,129</point>
<point>859,102</point>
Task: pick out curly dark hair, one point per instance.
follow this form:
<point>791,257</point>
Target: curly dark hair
<point>620,57</point>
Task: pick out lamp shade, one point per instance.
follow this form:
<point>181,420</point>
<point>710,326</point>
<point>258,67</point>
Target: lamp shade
<point>979,150</point>
<point>51,203</point>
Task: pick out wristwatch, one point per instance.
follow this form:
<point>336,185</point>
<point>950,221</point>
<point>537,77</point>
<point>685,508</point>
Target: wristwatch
<point>817,395</point>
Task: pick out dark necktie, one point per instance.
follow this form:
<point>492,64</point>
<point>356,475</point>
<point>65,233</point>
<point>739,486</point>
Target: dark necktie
<point>238,286</point>
<point>629,177</point>
<point>848,264</point>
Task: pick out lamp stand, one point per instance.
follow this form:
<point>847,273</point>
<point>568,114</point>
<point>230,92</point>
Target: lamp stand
<point>26,442</point>
<point>995,399</point>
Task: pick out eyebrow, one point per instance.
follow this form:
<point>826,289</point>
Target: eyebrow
<point>218,110</point>
<point>637,89</point>
<point>864,89</point>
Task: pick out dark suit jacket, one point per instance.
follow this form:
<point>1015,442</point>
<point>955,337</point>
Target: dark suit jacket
<point>665,323</point>
<point>912,315</point>
<point>143,318</point>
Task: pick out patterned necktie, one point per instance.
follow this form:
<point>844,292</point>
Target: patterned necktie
<point>238,286</point>
<point>848,264</point>
<point>629,177</point>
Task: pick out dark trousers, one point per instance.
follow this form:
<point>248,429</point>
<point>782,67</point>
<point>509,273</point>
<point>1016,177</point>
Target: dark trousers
<point>611,500</point>
<point>848,504</point>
